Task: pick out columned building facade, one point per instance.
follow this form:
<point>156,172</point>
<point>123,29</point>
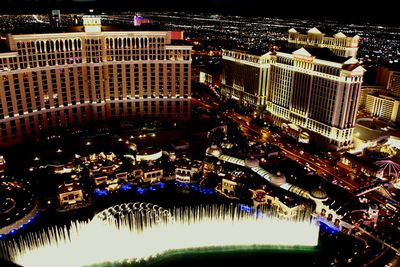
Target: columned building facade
<point>62,79</point>
<point>317,94</point>
<point>313,88</point>
<point>339,43</point>
<point>384,107</point>
<point>242,77</point>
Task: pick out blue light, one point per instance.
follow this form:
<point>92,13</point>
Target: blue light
<point>13,231</point>
<point>140,190</point>
<point>2,236</point>
<point>22,226</point>
<point>99,192</point>
<point>327,227</point>
<point>126,187</point>
<point>246,208</point>
<point>152,188</point>
<point>161,185</point>
<point>206,190</point>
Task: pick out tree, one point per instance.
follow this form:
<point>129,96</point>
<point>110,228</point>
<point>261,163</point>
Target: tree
<point>211,180</point>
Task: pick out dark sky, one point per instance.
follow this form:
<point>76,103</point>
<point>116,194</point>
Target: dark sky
<point>349,10</point>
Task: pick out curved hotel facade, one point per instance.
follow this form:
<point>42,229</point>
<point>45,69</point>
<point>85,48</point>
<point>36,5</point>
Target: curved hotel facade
<point>62,79</point>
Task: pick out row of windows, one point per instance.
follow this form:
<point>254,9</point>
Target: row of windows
<point>75,115</point>
<point>8,63</point>
<point>39,53</point>
<point>37,90</point>
<point>308,123</point>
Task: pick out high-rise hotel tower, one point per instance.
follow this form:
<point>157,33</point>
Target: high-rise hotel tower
<point>313,88</point>
<point>339,43</point>
<point>62,79</point>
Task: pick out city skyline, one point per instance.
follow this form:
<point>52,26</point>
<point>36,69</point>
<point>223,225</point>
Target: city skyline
<point>118,124</point>
<point>351,12</point>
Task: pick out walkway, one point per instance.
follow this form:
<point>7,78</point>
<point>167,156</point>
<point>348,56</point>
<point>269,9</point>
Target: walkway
<point>291,188</point>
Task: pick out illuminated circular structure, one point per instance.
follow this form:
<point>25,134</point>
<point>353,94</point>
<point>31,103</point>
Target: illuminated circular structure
<point>17,206</point>
<point>388,168</point>
<point>278,179</point>
<point>318,194</point>
<point>251,162</point>
<point>214,151</point>
<point>149,154</point>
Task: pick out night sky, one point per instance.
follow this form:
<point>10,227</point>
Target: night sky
<point>345,10</point>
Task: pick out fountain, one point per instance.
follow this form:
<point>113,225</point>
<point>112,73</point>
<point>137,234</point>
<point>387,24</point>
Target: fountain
<point>134,232</point>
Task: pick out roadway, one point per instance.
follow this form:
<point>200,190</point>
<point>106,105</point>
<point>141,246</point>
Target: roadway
<point>294,152</point>
<point>322,167</point>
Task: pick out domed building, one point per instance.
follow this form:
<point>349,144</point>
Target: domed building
<point>318,194</point>
<point>278,179</point>
<point>251,162</point>
<point>214,151</point>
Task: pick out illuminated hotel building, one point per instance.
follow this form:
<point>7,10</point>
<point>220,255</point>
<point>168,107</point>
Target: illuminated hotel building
<point>339,43</point>
<point>384,103</point>
<point>242,77</point>
<point>317,91</point>
<point>62,79</point>
<point>385,107</point>
<point>311,87</point>
<point>394,82</point>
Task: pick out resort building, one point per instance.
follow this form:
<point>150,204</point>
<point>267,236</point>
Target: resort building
<point>61,79</point>
<point>339,43</point>
<point>310,87</point>
<point>384,107</point>
<point>69,194</point>
<point>184,171</point>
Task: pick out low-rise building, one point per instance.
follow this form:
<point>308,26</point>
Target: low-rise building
<point>286,205</point>
<point>184,171</point>
<point>232,181</point>
<point>148,154</point>
<point>354,163</point>
<point>296,132</point>
<point>112,178</point>
<point>152,174</point>
<point>69,193</point>
<point>148,173</point>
